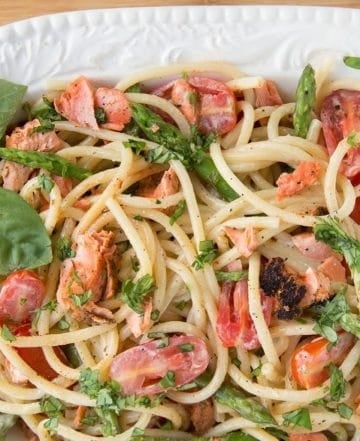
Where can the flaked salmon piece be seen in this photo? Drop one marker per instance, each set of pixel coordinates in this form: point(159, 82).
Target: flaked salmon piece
point(24, 138)
point(351, 163)
point(306, 174)
point(202, 416)
point(116, 106)
point(89, 277)
point(312, 248)
point(244, 240)
point(65, 184)
point(357, 401)
point(168, 185)
point(317, 287)
point(185, 96)
point(319, 436)
point(76, 103)
point(333, 269)
point(267, 95)
point(236, 265)
point(15, 175)
point(139, 324)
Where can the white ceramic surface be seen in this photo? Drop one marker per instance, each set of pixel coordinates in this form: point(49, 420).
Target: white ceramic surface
point(273, 41)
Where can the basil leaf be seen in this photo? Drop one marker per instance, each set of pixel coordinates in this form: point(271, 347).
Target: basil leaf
point(11, 95)
point(337, 383)
point(24, 241)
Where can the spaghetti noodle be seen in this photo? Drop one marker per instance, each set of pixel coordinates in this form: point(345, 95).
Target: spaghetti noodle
point(187, 294)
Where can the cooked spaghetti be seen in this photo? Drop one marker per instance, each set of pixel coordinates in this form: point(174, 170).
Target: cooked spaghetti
point(180, 259)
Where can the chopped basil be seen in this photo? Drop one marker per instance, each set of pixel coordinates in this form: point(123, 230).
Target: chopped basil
point(352, 139)
point(49, 306)
point(134, 293)
point(45, 126)
point(186, 347)
point(337, 383)
point(100, 115)
point(45, 110)
point(257, 371)
point(52, 406)
point(138, 217)
point(333, 314)
point(64, 248)
point(299, 417)
point(6, 334)
point(345, 411)
point(63, 324)
point(168, 380)
point(45, 183)
point(155, 315)
point(81, 299)
point(156, 335)
point(179, 211)
point(181, 305)
point(135, 145)
point(207, 254)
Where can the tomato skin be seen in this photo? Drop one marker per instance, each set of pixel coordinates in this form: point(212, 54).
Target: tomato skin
point(139, 369)
point(217, 105)
point(355, 214)
point(35, 357)
point(340, 114)
point(234, 324)
point(214, 107)
point(310, 360)
point(21, 294)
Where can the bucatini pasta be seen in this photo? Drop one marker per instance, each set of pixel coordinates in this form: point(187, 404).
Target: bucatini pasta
point(179, 258)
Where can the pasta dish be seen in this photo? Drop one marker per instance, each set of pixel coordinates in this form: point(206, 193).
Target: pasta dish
point(180, 258)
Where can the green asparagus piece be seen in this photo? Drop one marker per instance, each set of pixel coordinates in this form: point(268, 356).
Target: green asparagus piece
point(305, 101)
point(353, 62)
point(172, 140)
point(248, 408)
point(49, 161)
point(208, 172)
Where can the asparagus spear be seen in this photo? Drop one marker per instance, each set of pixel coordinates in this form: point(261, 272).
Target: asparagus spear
point(305, 101)
point(248, 408)
point(49, 161)
point(353, 62)
point(172, 140)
